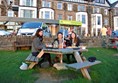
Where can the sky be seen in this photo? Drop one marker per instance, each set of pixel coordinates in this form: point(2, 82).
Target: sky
point(112, 1)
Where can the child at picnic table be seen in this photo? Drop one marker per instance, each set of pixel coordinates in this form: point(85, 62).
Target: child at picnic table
point(38, 45)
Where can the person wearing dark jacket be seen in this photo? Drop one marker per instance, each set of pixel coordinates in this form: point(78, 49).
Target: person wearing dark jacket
point(74, 41)
point(38, 45)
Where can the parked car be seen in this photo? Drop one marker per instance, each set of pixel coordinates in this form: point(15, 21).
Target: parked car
point(3, 32)
point(30, 28)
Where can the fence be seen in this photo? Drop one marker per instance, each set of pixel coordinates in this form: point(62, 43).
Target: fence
point(24, 42)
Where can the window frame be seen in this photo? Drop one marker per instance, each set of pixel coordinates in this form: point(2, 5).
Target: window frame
point(70, 7)
point(98, 20)
point(59, 17)
point(47, 15)
point(46, 4)
point(116, 22)
point(100, 1)
point(59, 4)
point(84, 21)
point(27, 13)
point(70, 17)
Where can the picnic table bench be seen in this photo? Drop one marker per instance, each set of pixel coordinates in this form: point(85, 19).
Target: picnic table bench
point(32, 60)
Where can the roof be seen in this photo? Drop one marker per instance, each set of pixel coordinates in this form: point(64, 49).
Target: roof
point(114, 4)
point(103, 4)
point(108, 2)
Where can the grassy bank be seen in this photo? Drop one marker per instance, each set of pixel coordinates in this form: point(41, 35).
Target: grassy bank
point(106, 72)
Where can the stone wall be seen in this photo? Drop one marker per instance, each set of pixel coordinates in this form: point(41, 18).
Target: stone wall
point(14, 42)
point(7, 42)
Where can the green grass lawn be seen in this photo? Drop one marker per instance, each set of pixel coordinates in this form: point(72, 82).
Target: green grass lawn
point(106, 72)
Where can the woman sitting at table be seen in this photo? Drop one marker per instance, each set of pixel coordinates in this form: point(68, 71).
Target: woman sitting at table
point(37, 46)
point(59, 42)
point(74, 41)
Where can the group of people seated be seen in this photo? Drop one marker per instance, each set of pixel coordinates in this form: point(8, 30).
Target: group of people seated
point(59, 42)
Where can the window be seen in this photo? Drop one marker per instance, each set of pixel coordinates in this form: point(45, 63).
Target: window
point(69, 7)
point(47, 15)
point(59, 5)
point(51, 15)
point(116, 12)
point(96, 10)
point(97, 1)
point(105, 11)
point(41, 14)
point(100, 1)
point(59, 17)
point(105, 21)
point(9, 1)
point(78, 18)
point(83, 19)
point(28, 13)
point(69, 17)
point(46, 4)
point(99, 20)
point(10, 13)
point(29, 2)
point(81, 8)
point(117, 22)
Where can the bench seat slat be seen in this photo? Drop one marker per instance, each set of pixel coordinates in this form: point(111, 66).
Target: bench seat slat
point(82, 65)
point(31, 58)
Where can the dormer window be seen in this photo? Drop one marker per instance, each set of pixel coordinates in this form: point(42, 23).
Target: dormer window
point(100, 1)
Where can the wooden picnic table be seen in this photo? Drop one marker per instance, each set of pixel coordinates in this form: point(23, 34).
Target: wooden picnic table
point(76, 55)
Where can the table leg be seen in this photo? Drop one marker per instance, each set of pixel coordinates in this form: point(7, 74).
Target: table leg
point(61, 58)
point(32, 65)
point(83, 70)
point(40, 54)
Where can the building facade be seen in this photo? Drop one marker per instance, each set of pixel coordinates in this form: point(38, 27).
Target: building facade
point(94, 14)
point(114, 13)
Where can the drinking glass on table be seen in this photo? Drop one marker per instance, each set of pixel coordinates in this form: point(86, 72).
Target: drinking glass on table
point(74, 44)
point(48, 45)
